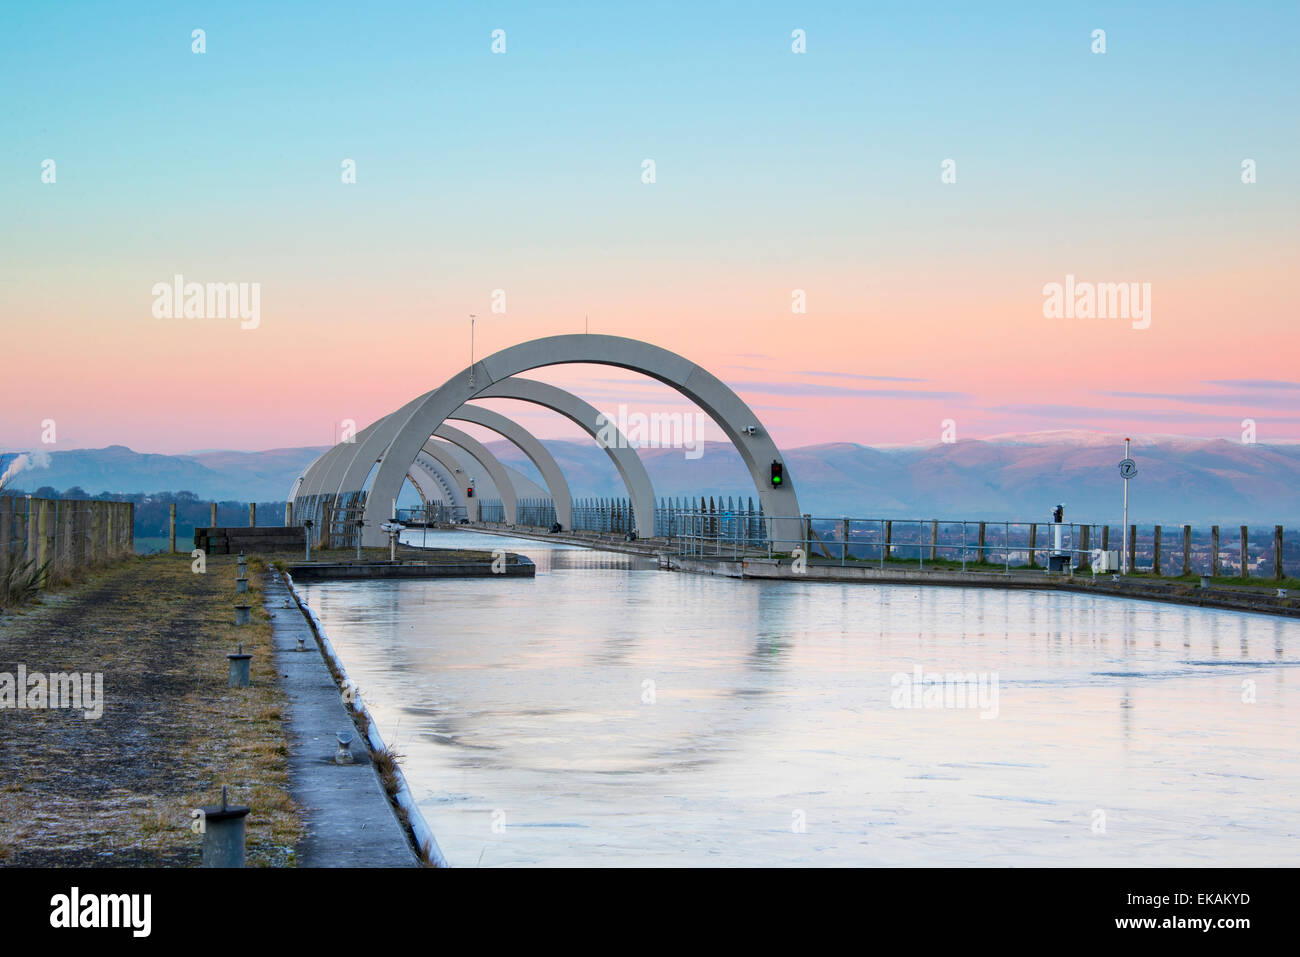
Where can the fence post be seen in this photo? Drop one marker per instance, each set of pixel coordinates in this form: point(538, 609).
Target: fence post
point(63, 544)
point(42, 531)
point(6, 533)
point(1214, 551)
point(844, 547)
point(96, 529)
point(889, 538)
point(30, 526)
point(252, 515)
point(213, 522)
point(1187, 549)
point(288, 514)
point(79, 533)
point(1033, 541)
point(68, 528)
point(52, 526)
point(934, 540)
point(979, 555)
point(1277, 553)
point(81, 526)
point(1245, 552)
point(171, 526)
point(1155, 551)
point(1132, 547)
point(1085, 539)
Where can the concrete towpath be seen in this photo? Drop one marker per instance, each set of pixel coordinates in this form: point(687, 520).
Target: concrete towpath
point(348, 821)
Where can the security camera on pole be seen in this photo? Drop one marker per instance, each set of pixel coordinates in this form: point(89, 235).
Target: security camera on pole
point(1127, 469)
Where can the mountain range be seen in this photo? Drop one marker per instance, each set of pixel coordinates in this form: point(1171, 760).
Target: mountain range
point(1002, 478)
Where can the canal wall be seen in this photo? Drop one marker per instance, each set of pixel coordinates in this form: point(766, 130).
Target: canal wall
point(1264, 600)
point(516, 567)
point(349, 819)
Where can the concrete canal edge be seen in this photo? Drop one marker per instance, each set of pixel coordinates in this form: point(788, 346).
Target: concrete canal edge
point(1258, 600)
point(770, 569)
point(515, 566)
point(350, 819)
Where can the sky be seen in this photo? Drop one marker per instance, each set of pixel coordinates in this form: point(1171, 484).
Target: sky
point(516, 180)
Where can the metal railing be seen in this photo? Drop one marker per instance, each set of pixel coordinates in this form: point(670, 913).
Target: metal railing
point(339, 526)
point(436, 513)
point(880, 541)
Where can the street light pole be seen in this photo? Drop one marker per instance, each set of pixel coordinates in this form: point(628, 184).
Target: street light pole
point(1123, 535)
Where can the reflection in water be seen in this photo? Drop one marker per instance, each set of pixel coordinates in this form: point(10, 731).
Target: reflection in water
point(609, 713)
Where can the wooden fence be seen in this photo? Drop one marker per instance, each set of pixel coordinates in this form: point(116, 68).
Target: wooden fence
point(69, 535)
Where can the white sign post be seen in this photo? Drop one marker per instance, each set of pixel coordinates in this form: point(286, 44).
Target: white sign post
point(1127, 469)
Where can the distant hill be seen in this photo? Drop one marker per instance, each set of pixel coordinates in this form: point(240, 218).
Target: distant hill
point(1004, 478)
point(239, 476)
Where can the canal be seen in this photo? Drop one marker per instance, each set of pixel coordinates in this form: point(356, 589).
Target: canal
point(608, 713)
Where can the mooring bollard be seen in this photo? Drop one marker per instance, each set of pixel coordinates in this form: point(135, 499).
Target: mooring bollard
point(241, 614)
point(223, 833)
point(239, 668)
point(241, 585)
point(243, 564)
point(344, 754)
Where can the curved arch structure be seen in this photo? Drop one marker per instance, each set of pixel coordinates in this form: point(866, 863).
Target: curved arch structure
point(628, 464)
point(442, 478)
point(425, 480)
point(479, 452)
point(435, 478)
point(458, 476)
point(531, 447)
point(584, 415)
point(395, 440)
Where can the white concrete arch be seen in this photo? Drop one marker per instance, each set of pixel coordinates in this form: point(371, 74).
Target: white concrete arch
point(396, 448)
point(531, 447)
point(459, 476)
point(314, 486)
point(485, 458)
point(581, 413)
point(425, 481)
point(443, 485)
point(628, 464)
point(446, 487)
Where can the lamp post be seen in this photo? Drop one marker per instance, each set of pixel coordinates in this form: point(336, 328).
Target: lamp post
point(1127, 469)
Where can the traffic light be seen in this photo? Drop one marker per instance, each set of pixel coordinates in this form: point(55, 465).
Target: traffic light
point(778, 475)
point(469, 491)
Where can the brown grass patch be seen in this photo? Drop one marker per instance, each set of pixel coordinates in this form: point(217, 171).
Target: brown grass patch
point(120, 790)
